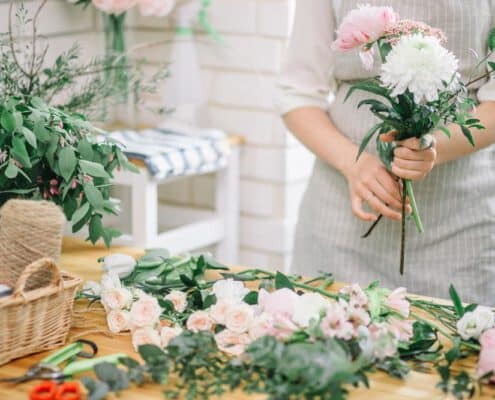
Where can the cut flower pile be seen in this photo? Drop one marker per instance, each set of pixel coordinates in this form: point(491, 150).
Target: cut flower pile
point(177, 316)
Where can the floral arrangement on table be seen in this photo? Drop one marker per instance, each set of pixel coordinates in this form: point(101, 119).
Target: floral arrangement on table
point(419, 85)
point(48, 148)
point(270, 333)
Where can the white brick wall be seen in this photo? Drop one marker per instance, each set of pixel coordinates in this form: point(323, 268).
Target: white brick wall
point(239, 79)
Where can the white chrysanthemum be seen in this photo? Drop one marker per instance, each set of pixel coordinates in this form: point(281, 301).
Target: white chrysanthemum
point(421, 64)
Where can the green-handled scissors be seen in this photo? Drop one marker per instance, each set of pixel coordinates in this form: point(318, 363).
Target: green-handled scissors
point(49, 367)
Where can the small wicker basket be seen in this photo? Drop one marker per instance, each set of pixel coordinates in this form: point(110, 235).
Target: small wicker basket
point(36, 320)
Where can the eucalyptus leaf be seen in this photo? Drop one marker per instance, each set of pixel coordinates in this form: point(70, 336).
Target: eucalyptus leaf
point(67, 163)
point(80, 213)
point(93, 169)
point(11, 171)
point(29, 136)
point(95, 228)
point(19, 151)
point(8, 121)
point(93, 195)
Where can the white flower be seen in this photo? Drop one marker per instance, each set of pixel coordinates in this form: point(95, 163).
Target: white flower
point(145, 335)
point(145, 312)
point(121, 264)
point(239, 317)
point(474, 323)
point(168, 333)
point(92, 287)
point(118, 321)
point(178, 299)
point(229, 289)
point(308, 307)
point(261, 325)
point(218, 311)
point(421, 64)
point(116, 299)
point(199, 321)
point(110, 280)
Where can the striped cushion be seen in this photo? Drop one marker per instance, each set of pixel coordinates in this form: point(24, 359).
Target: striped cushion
point(167, 153)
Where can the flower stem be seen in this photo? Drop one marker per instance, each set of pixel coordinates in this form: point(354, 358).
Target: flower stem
point(403, 231)
point(434, 326)
point(415, 213)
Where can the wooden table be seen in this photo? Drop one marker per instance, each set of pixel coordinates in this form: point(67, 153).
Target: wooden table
point(80, 258)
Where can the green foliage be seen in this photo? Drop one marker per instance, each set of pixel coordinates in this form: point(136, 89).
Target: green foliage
point(70, 83)
point(410, 119)
point(302, 370)
point(49, 154)
point(110, 379)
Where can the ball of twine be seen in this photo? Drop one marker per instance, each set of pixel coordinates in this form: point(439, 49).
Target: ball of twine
point(29, 230)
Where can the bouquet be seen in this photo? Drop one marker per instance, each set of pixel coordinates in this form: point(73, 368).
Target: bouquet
point(419, 89)
point(266, 332)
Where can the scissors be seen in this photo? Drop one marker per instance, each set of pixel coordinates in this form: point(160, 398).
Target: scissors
point(49, 367)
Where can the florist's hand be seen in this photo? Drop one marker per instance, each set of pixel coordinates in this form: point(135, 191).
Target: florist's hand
point(370, 182)
point(414, 158)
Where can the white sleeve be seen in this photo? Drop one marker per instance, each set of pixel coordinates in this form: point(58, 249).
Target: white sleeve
point(306, 79)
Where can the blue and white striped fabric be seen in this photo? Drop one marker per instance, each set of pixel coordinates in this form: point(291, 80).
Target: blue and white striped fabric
point(168, 154)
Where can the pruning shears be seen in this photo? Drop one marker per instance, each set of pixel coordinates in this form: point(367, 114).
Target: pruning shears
point(49, 368)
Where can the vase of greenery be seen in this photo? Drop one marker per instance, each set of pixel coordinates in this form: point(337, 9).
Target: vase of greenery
point(48, 148)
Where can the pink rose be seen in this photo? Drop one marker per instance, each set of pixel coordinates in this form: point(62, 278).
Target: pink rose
point(362, 26)
point(239, 317)
point(178, 299)
point(486, 361)
point(261, 325)
point(283, 327)
point(232, 343)
point(168, 333)
point(156, 8)
point(116, 299)
point(199, 321)
point(118, 321)
point(219, 310)
point(114, 6)
point(397, 301)
point(145, 312)
point(145, 335)
point(279, 302)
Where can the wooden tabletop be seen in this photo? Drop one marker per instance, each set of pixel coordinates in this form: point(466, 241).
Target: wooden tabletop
point(80, 258)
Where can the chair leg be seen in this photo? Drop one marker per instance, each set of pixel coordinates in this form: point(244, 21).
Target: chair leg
point(227, 206)
point(144, 211)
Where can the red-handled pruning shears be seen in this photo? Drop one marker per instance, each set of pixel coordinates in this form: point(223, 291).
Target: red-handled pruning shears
point(50, 390)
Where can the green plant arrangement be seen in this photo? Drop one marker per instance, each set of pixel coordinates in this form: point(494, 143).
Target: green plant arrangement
point(49, 154)
point(48, 148)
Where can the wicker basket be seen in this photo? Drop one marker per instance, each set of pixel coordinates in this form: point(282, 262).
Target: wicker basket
point(36, 320)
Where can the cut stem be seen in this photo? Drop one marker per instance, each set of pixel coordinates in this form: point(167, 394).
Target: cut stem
point(415, 213)
point(403, 229)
